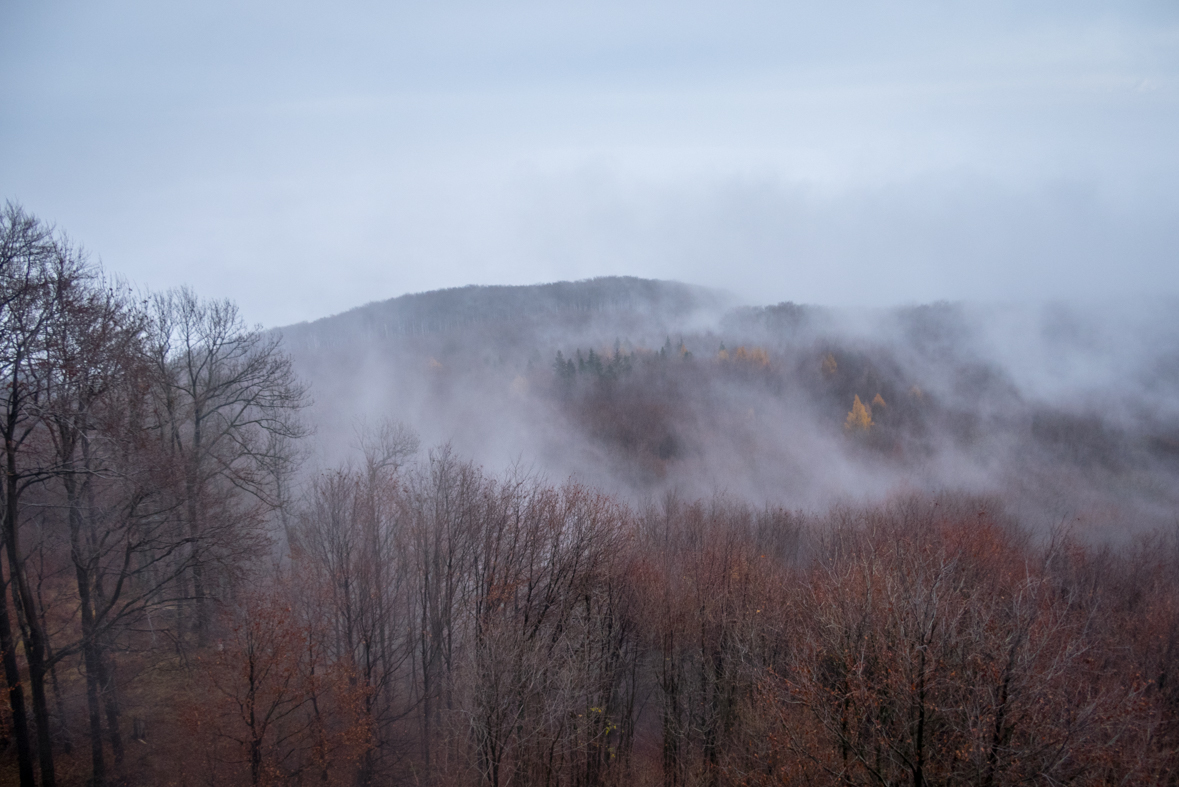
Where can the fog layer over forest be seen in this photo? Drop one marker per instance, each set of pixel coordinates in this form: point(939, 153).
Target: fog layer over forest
point(1069, 411)
point(614, 532)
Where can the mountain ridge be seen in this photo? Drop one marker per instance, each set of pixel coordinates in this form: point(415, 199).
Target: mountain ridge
point(436, 311)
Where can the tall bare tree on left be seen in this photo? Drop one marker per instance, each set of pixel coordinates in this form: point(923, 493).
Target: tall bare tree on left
point(28, 251)
point(108, 512)
point(82, 489)
point(64, 340)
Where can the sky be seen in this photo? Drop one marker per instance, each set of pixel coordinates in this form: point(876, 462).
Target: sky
point(305, 158)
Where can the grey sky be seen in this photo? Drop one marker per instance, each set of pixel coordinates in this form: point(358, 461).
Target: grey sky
point(307, 158)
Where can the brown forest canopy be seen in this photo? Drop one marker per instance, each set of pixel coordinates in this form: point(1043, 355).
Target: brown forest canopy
point(202, 566)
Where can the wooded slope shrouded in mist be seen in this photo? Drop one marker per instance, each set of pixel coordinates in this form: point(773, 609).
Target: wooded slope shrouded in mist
point(615, 532)
point(643, 386)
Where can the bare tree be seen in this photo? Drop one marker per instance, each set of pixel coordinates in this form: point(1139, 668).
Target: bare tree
point(228, 408)
point(442, 506)
point(347, 545)
point(27, 252)
point(117, 497)
point(271, 706)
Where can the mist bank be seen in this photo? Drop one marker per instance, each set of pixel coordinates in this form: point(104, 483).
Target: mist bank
point(640, 387)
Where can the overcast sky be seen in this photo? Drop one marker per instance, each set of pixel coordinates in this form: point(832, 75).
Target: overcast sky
point(305, 158)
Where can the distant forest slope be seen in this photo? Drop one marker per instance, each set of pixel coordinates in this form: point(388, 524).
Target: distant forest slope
point(461, 307)
point(646, 386)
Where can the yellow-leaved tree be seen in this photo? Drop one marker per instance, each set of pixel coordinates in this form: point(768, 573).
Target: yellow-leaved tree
point(752, 355)
point(860, 417)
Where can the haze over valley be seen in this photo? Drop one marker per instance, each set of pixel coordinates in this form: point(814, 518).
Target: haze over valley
point(619, 394)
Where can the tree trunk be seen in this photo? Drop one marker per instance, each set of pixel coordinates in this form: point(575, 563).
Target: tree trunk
point(34, 639)
point(16, 692)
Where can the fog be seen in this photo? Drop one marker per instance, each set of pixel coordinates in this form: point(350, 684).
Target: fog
point(1069, 412)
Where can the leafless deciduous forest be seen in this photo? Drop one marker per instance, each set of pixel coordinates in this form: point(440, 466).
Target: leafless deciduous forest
point(657, 541)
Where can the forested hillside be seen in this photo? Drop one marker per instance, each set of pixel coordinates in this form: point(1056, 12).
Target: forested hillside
point(616, 532)
point(640, 387)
